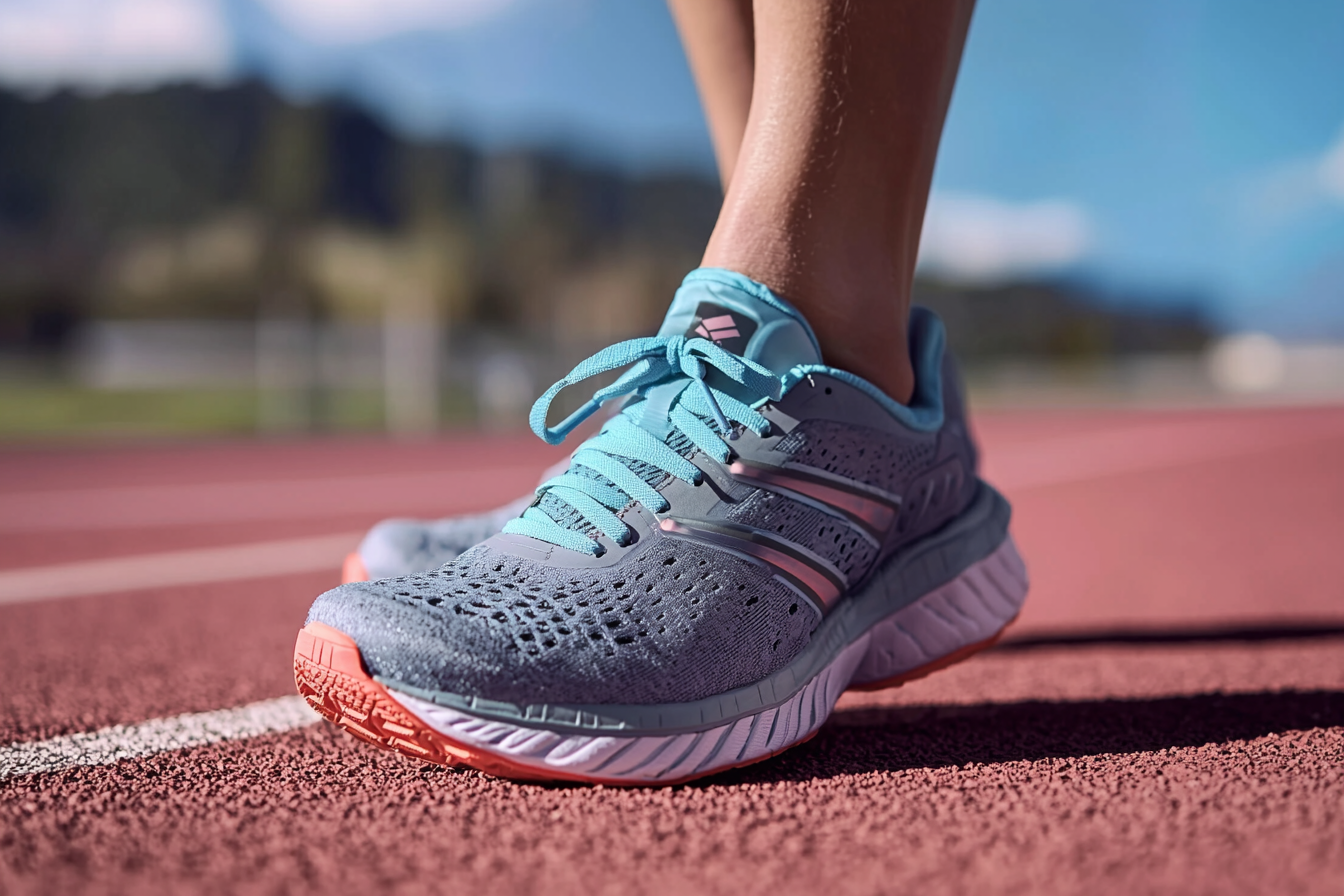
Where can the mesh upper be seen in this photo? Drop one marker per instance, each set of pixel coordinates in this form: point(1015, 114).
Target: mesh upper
point(821, 533)
point(675, 622)
point(858, 452)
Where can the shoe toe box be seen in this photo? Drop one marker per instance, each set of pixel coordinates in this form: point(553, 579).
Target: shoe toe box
point(400, 640)
point(665, 627)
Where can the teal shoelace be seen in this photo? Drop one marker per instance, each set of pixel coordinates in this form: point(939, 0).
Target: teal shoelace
point(656, 361)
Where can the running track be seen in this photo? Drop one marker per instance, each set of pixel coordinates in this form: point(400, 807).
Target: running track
point(1168, 716)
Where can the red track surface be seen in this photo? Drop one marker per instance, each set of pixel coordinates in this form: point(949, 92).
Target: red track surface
point(1204, 765)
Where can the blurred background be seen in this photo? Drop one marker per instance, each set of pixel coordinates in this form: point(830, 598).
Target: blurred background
point(292, 216)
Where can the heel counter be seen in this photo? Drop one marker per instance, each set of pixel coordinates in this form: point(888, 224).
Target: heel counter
point(957, 438)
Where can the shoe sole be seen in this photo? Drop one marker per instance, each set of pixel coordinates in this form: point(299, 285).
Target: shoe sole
point(353, 569)
point(943, 627)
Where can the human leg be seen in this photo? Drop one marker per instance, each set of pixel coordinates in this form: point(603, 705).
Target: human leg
point(719, 41)
point(828, 193)
point(837, 82)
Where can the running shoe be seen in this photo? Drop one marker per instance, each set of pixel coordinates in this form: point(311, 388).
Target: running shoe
point(400, 547)
point(752, 534)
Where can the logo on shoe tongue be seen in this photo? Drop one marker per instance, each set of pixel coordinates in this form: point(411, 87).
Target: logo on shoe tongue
point(729, 330)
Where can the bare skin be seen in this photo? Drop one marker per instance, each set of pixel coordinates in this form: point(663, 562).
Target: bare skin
point(719, 39)
point(825, 201)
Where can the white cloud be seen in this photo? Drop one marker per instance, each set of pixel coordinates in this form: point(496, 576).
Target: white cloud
point(1330, 169)
point(1294, 188)
point(105, 43)
point(355, 21)
point(111, 43)
point(979, 238)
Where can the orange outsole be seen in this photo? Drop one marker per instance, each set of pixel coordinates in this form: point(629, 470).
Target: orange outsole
point(330, 675)
point(353, 569)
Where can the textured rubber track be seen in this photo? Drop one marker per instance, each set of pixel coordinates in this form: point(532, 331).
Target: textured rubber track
point(353, 570)
point(331, 677)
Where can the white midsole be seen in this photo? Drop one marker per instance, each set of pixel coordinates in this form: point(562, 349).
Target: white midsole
point(970, 609)
point(967, 610)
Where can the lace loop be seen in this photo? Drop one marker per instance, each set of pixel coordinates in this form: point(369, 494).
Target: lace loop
point(607, 456)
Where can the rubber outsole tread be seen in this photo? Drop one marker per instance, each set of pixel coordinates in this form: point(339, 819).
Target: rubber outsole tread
point(331, 676)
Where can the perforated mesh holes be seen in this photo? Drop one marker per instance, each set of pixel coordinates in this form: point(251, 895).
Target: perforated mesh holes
point(663, 591)
point(675, 621)
point(857, 452)
point(433, 600)
point(819, 532)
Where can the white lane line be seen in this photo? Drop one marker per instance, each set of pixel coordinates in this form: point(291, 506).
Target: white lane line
point(110, 745)
point(128, 507)
point(170, 568)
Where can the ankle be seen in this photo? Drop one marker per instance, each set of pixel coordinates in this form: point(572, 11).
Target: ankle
point(862, 331)
point(879, 354)
point(892, 373)
point(852, 287)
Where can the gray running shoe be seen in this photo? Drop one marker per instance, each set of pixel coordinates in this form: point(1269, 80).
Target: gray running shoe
point(754, 533)
point(401, 547)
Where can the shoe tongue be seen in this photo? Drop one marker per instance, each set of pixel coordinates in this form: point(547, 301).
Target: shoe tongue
point(743, 317)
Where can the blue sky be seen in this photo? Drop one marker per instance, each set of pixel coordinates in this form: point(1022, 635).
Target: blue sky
point(1184, 146)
